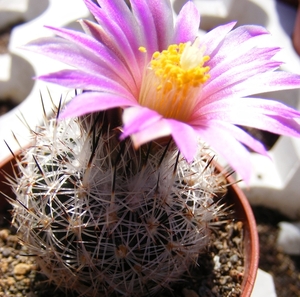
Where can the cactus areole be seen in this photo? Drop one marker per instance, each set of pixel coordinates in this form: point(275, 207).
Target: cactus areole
point(104, 218)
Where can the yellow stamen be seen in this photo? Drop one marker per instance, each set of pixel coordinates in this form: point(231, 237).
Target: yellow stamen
point(142, 49)
point(173, 80)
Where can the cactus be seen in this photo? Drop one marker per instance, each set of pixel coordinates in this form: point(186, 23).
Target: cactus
point(105, 219)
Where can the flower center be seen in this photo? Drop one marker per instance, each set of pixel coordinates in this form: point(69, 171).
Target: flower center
point(173, 79)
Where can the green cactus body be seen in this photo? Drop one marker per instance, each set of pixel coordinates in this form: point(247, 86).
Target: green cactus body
point(105, 219)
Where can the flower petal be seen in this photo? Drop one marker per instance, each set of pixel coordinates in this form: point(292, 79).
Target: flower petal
point(155, 131)
point(241, 136)
point(224, 78)
point(238, 42)
point(133, 60)
point(229, 148)
point(213, 38)
point(260, 83)
point(187, 24)
point(89, 102)
point(258, 56)
point(155, 19)
point(78, 79)
point(67, 52)
point(137, 118)
point(185, 137)
point(107, 56)
point(79, 57)
point(146, 24)
point(143, 125)
point(120, 30)
point(251, 106)
point(116, 17)
point(271, 123)
point(267, 82)
point(163, 20)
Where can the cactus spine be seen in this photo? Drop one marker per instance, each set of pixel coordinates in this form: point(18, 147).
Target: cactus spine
point(105, 219)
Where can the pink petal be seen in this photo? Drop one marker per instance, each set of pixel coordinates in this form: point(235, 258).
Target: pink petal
point(155, 21)
point(274, 124)
point(89, 102)
point(143, 125)
point(146, 25)
point(261, 83)
point(229, 148)
point(76, 56)
point(267, 82)
point(97, 49)
point(155, 131)
point(67, 52)
point(185, 137)
point(187, 24)
point(163, 20)
point(213, 38)
point(238, 42)
point(138, 118)
point(78, 79)
point(241, 136)
point(133, 60)
point(116, 17)
point(121, 29)
point(225, 77)
point(251, 106)
point(88, 43)
point(260, 57)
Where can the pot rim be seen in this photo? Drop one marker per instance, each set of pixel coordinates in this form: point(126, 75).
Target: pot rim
point(244, 211)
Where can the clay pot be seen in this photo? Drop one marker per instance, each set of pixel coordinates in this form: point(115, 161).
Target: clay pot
point(6, 168)
point(243, 212)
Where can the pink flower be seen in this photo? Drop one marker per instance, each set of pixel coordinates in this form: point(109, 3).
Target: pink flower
point(171, 82)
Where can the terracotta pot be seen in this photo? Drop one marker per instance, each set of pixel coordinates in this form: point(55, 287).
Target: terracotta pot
point(243, 212)
point(235, 197)
point(6, 168)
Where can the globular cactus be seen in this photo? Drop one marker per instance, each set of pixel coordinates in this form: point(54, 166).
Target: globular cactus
point(104, 219)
